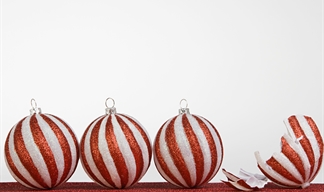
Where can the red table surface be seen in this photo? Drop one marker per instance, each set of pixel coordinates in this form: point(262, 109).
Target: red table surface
point(143, 187)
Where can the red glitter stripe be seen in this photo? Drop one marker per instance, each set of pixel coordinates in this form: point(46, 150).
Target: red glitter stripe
point(160, 159)
point(175, 153)
point(319, 142)
point(64, 146)
point(10, 161)
point(221, 145)
point(212, 148)
point(305, 143)
point(97, 157)
point(83, 155)
point(44, 149)
point(136, 149)
point(276, 166)
point(144, 135)
point(116, 154)
point(25, 158)
point(293, 157)
point(195, 149)
point(316, 132)
point(75, 140)
point(271, 178)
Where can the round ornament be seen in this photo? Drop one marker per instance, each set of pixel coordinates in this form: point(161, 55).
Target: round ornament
point(188, 150)
point(41, 150)
point(115, 149)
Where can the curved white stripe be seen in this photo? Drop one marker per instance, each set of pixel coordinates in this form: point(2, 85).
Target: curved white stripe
point(185, 148)
point(88, 154)
point(167, 157)
point(273, 173)
point(312, 139)
point(140, 141)
point(17, 163)
point(148, 135)
point(290, 167)
point(106, 156)
point(53, 144)
point(34, 152)
point(218, 144)
point(125, 150)
point(204, 146)
point(73, 148)
point(20, 181)
point(164, 175)
point(289, 129)
point(301, 153)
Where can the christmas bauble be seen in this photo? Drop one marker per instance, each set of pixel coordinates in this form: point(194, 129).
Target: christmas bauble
point(301, 154)
point(41, 151)
point(188, 150)
point(115, 150)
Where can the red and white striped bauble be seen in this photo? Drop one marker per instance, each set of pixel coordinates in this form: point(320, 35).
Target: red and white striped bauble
point(115, 150)
point(41, 151)
point(188, 150)
point(301, 154)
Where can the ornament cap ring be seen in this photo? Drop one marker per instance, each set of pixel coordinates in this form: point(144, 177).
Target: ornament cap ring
point(34, 108)
point(112, 109)
point(184, 109)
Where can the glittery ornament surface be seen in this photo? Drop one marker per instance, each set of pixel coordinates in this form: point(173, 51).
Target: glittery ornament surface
point(41, 151)
point(115, 151)
point(301, 154)
point(188, 150)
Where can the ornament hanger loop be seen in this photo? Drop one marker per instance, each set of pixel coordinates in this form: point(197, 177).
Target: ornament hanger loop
point(184, 109)
point(113, 102)
point(34, 107)
point(112, 109)
point(181, 101)
point(33, 104)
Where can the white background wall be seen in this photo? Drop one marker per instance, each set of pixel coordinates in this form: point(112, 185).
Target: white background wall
point(243, 65)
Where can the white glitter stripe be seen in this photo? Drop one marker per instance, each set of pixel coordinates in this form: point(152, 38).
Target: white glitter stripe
point(72, 146)
point(34, 152)
point(217, 143)
point(17, 163)
point(20, 181)
point(312, 139)
point(289, 129)
point(106, 156)
point(290, 167)
point(129, 156)
point(53, 142)
point(185, 149)
point(88, 155)
point(301, 153)
point(167, 157)
point(202, 142)
point(141, 142)
point(165, 176)
point(148, 136)
point(273, 173)
point(125, 150)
